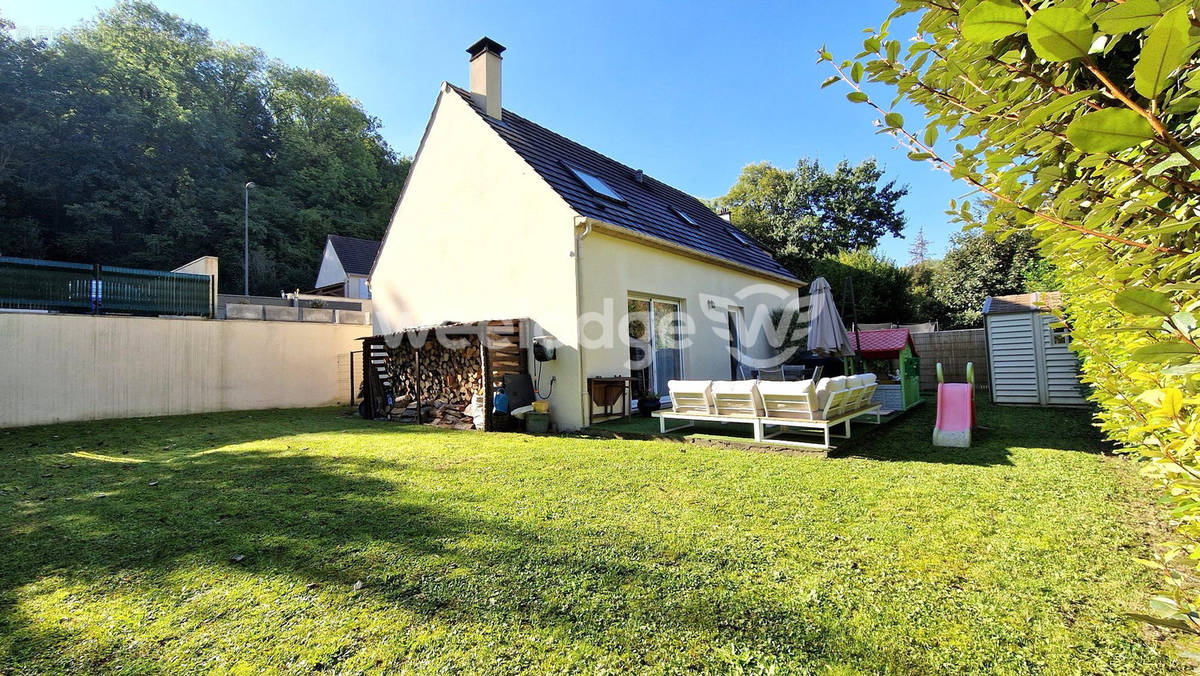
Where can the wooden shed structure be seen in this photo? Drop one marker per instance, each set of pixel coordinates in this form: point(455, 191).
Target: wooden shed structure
point(1029, 358)
point(434, 374)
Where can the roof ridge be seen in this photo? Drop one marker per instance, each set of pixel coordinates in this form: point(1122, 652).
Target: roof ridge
point(361, 239)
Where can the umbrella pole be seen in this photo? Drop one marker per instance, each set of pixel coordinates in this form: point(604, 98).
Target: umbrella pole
point(854, 314)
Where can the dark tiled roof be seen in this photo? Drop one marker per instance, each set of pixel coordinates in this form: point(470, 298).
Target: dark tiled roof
point(648, 204)
point(357, 255)
point(1023, 302)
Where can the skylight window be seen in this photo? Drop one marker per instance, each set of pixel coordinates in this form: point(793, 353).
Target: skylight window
point(596, 185)
point(685, 218)
point(737, 234)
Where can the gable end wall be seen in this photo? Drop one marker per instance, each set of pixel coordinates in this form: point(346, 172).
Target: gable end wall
point(476, 235)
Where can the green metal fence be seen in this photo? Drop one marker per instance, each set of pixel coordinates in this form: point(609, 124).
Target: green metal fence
point(31, 284)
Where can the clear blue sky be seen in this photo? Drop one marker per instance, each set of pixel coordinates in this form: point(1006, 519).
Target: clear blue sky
point(690, 91)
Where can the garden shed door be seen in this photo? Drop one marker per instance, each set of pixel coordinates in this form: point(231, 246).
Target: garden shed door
point(1013, 352)
point(1031, 362)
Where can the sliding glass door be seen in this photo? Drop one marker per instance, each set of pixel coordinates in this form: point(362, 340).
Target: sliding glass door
point(734, 318)
point(655, 344)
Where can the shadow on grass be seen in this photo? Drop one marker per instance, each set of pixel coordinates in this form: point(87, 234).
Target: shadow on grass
point(332, 520)
point(1001, 429)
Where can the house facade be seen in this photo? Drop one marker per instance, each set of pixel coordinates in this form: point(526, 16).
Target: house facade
point(503, 218)
point(345, 265)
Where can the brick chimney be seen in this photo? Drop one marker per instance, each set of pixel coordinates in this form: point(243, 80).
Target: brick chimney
point(485, 74)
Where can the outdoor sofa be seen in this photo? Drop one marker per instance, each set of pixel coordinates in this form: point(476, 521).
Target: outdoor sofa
point(779, 405)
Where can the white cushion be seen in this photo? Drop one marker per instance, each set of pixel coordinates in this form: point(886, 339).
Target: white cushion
point(832, 384)
point(827, 387)
point(795, 387)
point(744, 388)
point(869, 378)
point(688, 385)
point(853, 381)
point(775, 406)
point(734, 386)
point(697, 389)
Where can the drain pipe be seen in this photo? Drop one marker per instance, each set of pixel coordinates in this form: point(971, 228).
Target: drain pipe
point(584, 395)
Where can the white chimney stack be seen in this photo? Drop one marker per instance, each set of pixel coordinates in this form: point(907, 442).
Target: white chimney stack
point(485, 74)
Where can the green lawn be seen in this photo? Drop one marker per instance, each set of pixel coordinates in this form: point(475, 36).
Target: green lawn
point(305, 540)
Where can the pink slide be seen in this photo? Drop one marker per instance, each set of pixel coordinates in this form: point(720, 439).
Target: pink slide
point(955, 411)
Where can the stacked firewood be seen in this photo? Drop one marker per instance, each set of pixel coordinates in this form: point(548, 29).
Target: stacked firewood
point(449, 378)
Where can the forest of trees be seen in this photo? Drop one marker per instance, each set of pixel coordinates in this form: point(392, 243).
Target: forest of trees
point(127, 141)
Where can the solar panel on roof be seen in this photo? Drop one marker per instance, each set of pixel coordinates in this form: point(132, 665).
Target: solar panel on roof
point(595, 184)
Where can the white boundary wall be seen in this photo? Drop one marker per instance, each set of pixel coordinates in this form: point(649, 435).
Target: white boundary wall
point(57, 368)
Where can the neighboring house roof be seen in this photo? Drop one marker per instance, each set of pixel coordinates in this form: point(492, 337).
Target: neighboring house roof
point(882, 344)
point(1040, 301)
point(357, 255)
point(649, 205)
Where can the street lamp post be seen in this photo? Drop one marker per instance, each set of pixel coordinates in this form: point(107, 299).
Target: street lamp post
point(246, 262)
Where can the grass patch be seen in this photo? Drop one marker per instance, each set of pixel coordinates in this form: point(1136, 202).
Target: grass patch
point(312, 540)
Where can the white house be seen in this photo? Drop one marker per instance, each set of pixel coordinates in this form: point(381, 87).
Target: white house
point(502, 218)
point(1028, 354)
point(345, 265)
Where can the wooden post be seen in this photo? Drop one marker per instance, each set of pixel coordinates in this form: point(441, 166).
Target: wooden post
point(369, 390)
point(417, 380)
point(485, 358)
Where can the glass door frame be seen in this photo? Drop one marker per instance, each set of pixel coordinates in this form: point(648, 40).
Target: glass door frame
point(736, 321)
point(651, 326)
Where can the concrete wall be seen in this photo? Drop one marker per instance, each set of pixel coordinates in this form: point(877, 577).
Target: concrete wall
point(79, 367)
point(478, 235)
point(229, 305)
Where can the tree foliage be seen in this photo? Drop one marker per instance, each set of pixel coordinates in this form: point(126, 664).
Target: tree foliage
point(127, 141)
point(809, 213)
point(979, 264)
point(881, 289)
point(1079, 120)
point(919, 251)
point(923, 302)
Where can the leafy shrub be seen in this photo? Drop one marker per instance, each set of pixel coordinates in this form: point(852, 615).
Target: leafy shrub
point(1079, 122)
point(882, 289)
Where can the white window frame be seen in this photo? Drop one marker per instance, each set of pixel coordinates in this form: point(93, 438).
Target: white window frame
point(651, 299)
point(590, 181)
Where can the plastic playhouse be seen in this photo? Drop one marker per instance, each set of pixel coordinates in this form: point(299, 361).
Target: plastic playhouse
point(955, 411)
point(891, 355)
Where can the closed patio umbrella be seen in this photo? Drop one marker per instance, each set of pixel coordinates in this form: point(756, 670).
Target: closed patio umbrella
point(826, 334)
